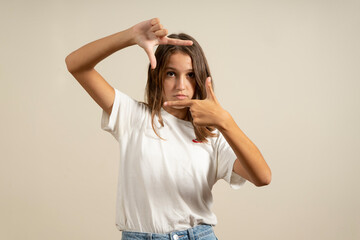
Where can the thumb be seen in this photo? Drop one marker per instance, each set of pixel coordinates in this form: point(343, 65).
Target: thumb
point(209, 91)
point(150, 52)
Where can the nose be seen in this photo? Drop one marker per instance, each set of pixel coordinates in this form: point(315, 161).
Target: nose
point(180, 83)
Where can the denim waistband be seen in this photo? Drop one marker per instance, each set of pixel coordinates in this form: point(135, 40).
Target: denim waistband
point(191, 234)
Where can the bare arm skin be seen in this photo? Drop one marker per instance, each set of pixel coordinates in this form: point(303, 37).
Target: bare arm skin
point(250, 163)
point(81, 62)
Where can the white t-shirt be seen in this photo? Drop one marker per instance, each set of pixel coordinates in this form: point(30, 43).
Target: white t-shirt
point(164, 185)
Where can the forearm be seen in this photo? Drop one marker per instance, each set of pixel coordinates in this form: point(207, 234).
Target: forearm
point(89, 55)
point(248, 154)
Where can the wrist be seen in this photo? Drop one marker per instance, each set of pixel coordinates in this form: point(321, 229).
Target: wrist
point(120, 40)
point(131, 32)
point(225, 121)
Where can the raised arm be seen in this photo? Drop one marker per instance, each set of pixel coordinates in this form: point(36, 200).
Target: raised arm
point(81, 62)
point(250, 164)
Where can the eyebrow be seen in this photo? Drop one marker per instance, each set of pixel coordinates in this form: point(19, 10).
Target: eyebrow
point(171, 68)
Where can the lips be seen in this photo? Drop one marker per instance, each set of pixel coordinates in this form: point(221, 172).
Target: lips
point(180, 96)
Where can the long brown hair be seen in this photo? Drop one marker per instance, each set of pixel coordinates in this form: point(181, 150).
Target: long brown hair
point(154, 87)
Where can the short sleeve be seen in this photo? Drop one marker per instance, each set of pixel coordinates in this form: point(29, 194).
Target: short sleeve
point(226, 157)
point(125, 113)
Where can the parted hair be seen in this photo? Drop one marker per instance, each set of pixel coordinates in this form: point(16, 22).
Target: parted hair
point(154, 94)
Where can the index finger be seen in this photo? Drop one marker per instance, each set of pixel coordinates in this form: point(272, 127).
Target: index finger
point(173, 41)
point(184, 103)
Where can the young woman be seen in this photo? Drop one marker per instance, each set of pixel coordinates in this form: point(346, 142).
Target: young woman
point(177, 144)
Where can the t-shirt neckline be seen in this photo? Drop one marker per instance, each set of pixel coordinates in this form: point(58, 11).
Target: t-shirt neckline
point(172, 117)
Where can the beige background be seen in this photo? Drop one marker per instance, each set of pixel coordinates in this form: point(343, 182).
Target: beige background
point(287, 71)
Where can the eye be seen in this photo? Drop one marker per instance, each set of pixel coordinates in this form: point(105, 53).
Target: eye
point(191, 75)
point(170, 74)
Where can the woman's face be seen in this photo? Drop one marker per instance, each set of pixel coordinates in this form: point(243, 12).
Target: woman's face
point(179, 80)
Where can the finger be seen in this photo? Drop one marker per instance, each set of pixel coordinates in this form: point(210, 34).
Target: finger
point(209, 90)
point(185, 103)
point(156, 27)
point(154, 21)
point(173, 41)
point(150, 53)
point(161, 33)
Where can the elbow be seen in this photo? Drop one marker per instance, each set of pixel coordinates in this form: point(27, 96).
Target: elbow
point(69, 66)
point(264, 180)
point(263, 183)
point(72, 64)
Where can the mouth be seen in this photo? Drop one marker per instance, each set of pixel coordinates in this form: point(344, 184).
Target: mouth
point(180, 96)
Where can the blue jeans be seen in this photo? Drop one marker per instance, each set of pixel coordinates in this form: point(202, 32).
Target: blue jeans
point(199, 232)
